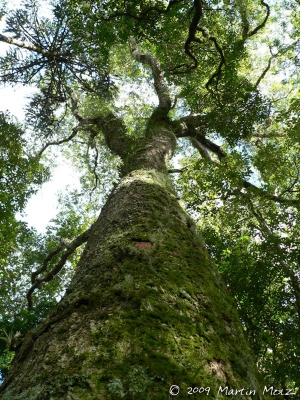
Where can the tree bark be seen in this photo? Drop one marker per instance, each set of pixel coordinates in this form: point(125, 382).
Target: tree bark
point(146, 308)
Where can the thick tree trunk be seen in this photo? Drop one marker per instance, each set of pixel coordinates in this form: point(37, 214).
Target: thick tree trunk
point(145, 310)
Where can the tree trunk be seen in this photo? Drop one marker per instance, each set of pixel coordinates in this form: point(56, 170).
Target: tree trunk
point(145, 310)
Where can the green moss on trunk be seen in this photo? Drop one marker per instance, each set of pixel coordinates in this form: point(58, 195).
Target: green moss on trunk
point(145, 310)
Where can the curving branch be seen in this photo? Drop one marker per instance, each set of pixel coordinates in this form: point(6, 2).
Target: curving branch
point(115, 134)
point(75, 130)
point(112, 126)
point(258, 215)
point(207, 143)
point(199, 121)
point(264, 72)
point(192, 38)
point(189, 126)
point(217, 73)
point(262, 193)
point(260, 26)
point(71, 247)
point(47, 260)
point(75, 111)
point(160, 83)
point(192, 32)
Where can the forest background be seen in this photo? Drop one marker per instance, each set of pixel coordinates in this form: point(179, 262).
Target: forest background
point(237, 74)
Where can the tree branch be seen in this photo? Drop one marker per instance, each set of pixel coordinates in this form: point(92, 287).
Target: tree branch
point(193, 28)
point(75, 130)
point(160, 83)
point(254, 31)
point(95, 169)
point(217, 73)
point(295, 181)
point(25, 45)
point(181, 126)
point(192, 32)
point(262, 193)
point(264, 72)
point(189, 127)
point(50, 55)
point(264, 226)
point(75, 111)
point(201, 149)
point(273, 197)
point(71, 247)
point(115, 134)
point(112, 127)
point(176, 170)
point(47, 260)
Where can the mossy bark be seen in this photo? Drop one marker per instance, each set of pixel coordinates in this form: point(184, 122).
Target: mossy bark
point(145, 310)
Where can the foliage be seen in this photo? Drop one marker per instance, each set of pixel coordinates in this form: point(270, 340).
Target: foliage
point(20, 176)
point(255, 244)
point(233, 66)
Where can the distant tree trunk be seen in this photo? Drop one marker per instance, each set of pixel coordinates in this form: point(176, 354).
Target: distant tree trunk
point(146, 308)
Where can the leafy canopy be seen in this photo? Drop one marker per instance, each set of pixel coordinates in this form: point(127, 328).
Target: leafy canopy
point(232, 73)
